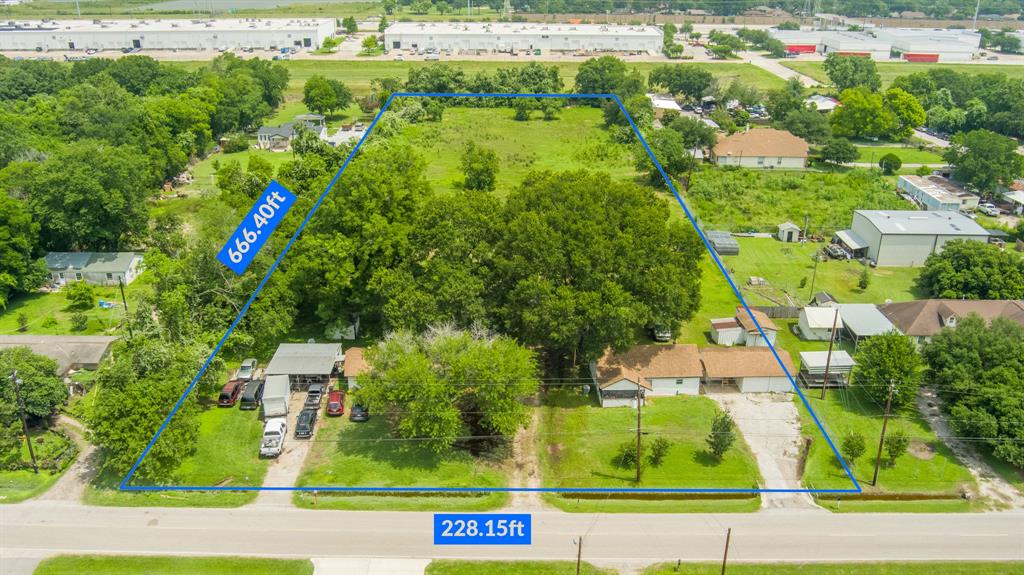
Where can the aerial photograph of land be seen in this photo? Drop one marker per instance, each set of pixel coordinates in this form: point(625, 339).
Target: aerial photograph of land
point(414, 287)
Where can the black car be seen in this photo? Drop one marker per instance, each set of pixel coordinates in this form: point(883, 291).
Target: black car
point(314, 396)
point(305, 424)
point(359, 413)
point(252, 395)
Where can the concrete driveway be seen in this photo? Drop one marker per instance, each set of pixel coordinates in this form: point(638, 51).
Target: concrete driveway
point(284, 471)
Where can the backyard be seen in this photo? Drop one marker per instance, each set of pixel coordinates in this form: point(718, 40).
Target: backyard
point(50, 313)
point(580, 445)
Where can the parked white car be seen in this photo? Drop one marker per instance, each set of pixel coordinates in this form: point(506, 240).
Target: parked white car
point(988, 209)
point(274, 432)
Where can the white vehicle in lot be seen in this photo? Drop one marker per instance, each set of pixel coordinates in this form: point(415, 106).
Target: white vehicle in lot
point(988, 209)
point(274, 431)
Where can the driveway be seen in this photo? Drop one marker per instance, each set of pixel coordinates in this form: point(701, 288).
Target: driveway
point(770, 424)
point(284, 471)
point(776, 68)
point(71, 485)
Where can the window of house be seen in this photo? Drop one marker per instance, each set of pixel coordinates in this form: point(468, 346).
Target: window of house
point(680, 382)
point(78, 276)
point(760, 160)
point(779, 161)
point(110, 276)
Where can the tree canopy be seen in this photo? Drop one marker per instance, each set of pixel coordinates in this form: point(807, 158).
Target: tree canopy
point(888, 359)
point(984, 159)
point(848, 72)
point(972, 270)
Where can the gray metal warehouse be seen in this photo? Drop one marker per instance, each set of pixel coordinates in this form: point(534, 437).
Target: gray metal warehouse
point(503, 37)
point(906, 238)
point(164, 34)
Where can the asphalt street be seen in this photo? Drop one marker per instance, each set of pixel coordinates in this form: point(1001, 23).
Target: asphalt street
point(41, 528)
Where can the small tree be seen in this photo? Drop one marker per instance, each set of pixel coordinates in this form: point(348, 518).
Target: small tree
point(79, 321)
point(659, 449)
point(369, 43)
point(383, 24)
point(350, 26)
point(853, 447)
point(865, 279)
point(22, 322)
point(80, 295)
point(480, 166)
point(626, 457)
point(923, 171)
point(838, 151)
point(896, 443)
point(722, 436)
point(890, 163)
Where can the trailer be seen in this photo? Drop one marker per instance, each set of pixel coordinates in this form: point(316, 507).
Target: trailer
point(276, 392)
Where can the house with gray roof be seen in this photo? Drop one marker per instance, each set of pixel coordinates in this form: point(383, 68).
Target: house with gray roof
point(69, 351)
point(96, 268)
point(905, 237)
point(280, 138)
point(306, 363)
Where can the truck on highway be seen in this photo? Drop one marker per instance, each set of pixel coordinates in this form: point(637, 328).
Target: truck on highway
point(276, 392)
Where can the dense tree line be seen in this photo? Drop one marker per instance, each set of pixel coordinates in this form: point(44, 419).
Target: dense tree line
point(972, 270)
point(41, 390)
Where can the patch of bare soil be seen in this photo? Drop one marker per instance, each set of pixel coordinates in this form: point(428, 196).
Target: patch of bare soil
point(921, 450)
point(525, 466)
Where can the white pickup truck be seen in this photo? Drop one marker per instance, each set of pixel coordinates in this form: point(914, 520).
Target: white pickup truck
point(274, 432)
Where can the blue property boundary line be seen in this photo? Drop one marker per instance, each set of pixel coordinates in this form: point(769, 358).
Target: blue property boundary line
point(668, 181)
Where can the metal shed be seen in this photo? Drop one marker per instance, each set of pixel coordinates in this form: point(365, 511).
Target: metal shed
point(306, 363)
point(723, 243)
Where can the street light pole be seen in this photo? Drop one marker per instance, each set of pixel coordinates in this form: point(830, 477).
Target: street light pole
point(24, 420)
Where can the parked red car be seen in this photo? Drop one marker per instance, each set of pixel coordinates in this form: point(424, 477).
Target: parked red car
point(229, 395)
point(336, 403)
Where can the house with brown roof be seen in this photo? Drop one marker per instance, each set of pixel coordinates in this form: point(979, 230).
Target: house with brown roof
point(647, 370)
point(922, 319)
point(741, 329)
point(761, 148)
point(751, 369)
point(354, 366)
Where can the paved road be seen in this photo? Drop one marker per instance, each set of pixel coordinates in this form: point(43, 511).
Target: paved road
point(40, 528)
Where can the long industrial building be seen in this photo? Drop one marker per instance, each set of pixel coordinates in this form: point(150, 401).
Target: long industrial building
point(165, 34)
point(504, 37)
point(910, 44)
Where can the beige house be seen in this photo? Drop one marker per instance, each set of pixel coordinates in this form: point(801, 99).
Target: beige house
point(766, 148)
point(750, 369)
point(649, 369)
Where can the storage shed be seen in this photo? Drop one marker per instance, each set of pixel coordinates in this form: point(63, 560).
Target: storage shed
point(907, 238)
point(788, 232)
point(305, 363)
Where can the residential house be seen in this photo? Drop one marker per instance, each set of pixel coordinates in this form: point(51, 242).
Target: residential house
point(937, 193)
point(663, 104)
point(816, 323)
point(788, 232)
point(647, 370)
point(71, 352)
point(761, 148)
point(355, 365)
point(306, 363)
point(96, 268)
point(751, 369)
point(814, 364)
point(921, 319)
point(741, 329)
point(905, 238)
point(863, 320)
point(279, 138)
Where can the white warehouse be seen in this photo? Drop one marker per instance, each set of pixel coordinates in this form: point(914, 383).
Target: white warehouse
point(906, 238)
point(503, 37)
point(165, 34)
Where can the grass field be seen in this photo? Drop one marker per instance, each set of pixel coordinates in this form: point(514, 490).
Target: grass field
point(49, 314)
point(456, 567)
point(890, 70)
point(895, 568)
point(927, 467)
point(19, 485)
point(362, 455)
point(227, 454)
point(908, 155)
point(579, 444)
point(157, 565)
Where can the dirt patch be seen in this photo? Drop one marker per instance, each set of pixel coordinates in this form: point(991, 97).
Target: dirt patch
point(225, 481)
point(921, 450)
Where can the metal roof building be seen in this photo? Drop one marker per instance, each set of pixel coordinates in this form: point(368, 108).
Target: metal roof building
point(907, 238)
point(165, 34)
point(69, 351)
point(508, 36)
point(723, 242)
point(862, 320)
point(305, 363)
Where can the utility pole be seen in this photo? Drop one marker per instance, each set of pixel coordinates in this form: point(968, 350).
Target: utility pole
point(124, 300)
point(78, 9)
point(24, 421)
point(725, 556)
point(639, 403)
point(828, 358)
point(976, 8)
point(881, 439)
point(814, 275)
point(579, 554)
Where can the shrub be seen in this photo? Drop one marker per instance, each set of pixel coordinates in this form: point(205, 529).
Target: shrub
point(865, 279)
point(79, 321)
point(722, 436)
point(890, 163)
point(80, 295)
point(896, 443)
point(235, 143)
point(853, 447)
point(22, 322)
point(659, 449)
point(626, 457)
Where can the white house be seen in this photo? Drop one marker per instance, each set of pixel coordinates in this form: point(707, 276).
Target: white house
point(816, 322)
point(766, 148)
point(647, 370)
point(663, 104)
point(96, 268)
point(279, 138)
point(741, 329)
point(821, 103)
point(355, 365)
point(751, 369)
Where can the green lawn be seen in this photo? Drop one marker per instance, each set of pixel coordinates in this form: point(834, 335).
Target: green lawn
point(928, 466)
point(363, 455)
point(575, 141)
point(460, 567)
point(908, 155)
point(19, 485)
point(741, 200)
point(204, 173)
point(890, 70)
point(894, 568)
point(227, 454)
point(49, 314)
point(157, 565)
point(579, 444)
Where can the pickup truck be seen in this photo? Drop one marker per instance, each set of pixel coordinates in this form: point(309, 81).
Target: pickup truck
point(274, 432)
